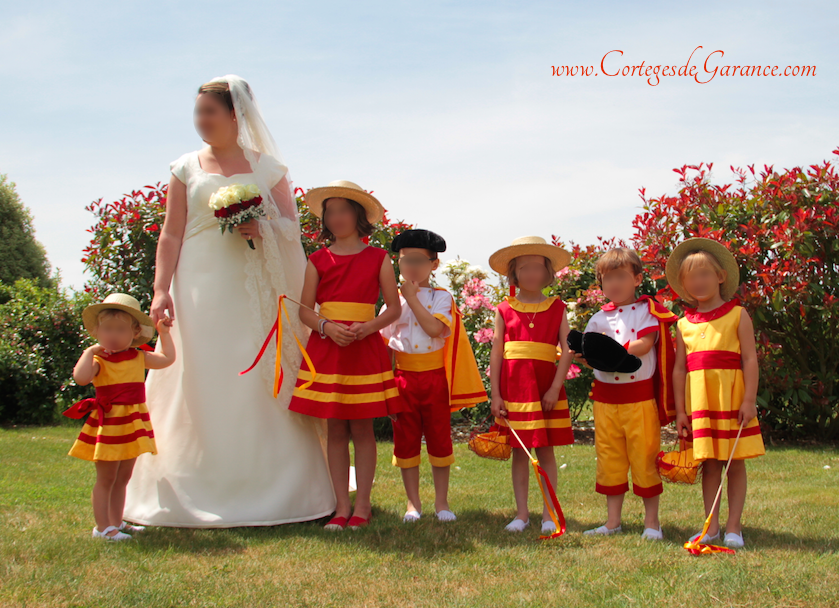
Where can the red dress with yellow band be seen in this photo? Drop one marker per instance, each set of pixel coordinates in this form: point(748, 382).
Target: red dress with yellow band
point(118, 427)
point(531, 334)
point(354, 381)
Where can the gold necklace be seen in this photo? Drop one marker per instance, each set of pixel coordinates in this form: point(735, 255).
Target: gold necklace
point(533, 316)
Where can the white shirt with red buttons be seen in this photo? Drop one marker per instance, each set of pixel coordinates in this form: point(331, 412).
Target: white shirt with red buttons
point(406, 334)
point(626, 324)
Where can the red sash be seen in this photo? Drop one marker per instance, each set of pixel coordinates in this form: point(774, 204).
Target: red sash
point(713, 359)
point(125, 393)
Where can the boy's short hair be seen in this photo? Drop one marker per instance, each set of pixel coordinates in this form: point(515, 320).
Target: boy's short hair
point(512, 279)
point(618, 258)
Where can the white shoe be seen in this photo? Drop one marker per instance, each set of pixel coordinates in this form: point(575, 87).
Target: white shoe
point(446, 515)
point(131, 528)
point(603, 530)
point(734, 541)
point(548, 527)
point(517, 525)
point(652, 534)
point(411, 516)
point(705, 539)
point(116, 537)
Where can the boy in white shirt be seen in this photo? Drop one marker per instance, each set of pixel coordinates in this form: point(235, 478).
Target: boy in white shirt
point(428, 341)
point(629, 408)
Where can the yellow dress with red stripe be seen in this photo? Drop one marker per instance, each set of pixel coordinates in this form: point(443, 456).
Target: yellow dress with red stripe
point(118, 427)
point(715, 388)
point(528, 370)
point(354, 381)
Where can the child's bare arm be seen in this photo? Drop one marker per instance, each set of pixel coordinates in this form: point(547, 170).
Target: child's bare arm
point(496, 360)
point(683, 426)
point(566, 357)
point(643, 345)
point(86, 367)
point(748, 356)
point(166, 356)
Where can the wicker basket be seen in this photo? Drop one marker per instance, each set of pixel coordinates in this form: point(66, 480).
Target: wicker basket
point(679, 466)
point(493, 444)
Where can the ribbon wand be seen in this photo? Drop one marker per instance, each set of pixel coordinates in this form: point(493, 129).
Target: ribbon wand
point(551, 501)
point(278, 330)
point(695, 547)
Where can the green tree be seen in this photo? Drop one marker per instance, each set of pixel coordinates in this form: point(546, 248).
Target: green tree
point(21, 256)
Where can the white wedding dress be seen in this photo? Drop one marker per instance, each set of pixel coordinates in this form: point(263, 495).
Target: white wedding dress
point(229, 454)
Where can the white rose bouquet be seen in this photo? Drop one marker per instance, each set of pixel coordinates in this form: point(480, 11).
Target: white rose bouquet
point(236, 204)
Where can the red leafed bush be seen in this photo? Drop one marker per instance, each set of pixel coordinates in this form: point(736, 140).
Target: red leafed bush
point(783, 229)
point(121, 253)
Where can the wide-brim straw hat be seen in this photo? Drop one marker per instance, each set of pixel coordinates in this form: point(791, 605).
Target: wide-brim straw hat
point(125, 303)
point(529, 245)
point(732, 271)
point(342, 188)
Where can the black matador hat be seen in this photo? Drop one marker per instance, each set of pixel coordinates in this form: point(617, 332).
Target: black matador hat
point(420, 239)
point(602, 352)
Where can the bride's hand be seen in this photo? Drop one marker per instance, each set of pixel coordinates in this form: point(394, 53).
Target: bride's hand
point(161, 302)
point(249, 230)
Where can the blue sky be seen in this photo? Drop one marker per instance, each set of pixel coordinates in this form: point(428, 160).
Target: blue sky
point(447, 110)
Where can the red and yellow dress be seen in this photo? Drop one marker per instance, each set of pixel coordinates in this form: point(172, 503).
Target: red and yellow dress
point(353, 381)
point(118, 427)
point(531, 333)
point(714, 389)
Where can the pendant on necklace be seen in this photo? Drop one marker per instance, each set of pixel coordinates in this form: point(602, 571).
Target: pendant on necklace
point(531, 325)
point(702, 335)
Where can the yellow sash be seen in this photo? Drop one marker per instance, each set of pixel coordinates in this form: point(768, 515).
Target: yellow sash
point(421, 362)
point(348, 311)
point(530, 350)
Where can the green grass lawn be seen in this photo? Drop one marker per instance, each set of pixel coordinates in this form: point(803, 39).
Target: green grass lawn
point(47, 557)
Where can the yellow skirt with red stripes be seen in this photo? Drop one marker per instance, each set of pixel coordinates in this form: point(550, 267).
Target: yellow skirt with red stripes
point(125, 433)
point(713, 398)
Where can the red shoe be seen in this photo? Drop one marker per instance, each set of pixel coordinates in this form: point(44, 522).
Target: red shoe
point(335, 524)
point(358, 522)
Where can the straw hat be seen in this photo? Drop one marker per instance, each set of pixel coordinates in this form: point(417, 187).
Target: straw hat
point(125, 303)
point(732, 271)
point(529, 245)
point(342, 188)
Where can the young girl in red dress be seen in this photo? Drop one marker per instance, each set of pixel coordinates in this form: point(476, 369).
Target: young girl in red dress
point(352, 381)
point(528, 392)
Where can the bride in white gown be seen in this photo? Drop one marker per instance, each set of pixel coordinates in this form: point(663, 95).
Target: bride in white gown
point(229, 453)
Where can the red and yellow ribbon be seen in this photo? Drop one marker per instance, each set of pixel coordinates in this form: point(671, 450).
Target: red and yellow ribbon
point(548, 494)
point(278, 329)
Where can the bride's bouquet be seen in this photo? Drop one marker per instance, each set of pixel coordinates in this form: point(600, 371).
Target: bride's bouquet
point(236, 204)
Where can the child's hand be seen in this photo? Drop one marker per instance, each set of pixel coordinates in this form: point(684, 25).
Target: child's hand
point(163, 325)
point(683, 426)
point(339, 333)
point(409, 289)
point(747, 413)
point(97, 349)
point(580, 359)
point(549, 399)
point(360, 330)
point(497, 407)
